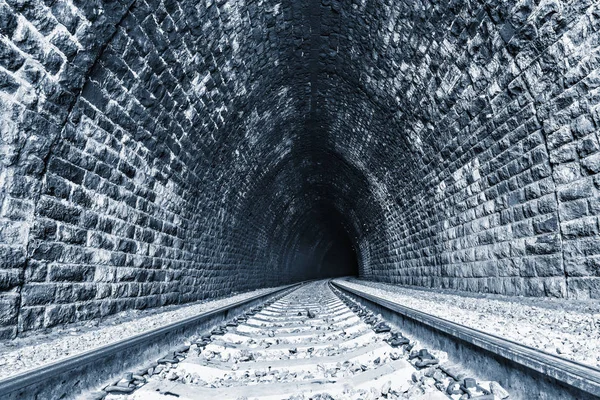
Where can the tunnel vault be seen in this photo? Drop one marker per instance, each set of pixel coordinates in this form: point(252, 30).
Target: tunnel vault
point(165, 151)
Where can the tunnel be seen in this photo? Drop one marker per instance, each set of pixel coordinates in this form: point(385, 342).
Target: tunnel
point(164, 152)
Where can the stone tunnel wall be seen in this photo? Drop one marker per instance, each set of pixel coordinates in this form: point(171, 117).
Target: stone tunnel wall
point(161, 151)
point(131, 132)
point(477, 123)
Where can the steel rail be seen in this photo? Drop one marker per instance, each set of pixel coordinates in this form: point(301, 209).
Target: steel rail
point(514, 358)
point(70, 371)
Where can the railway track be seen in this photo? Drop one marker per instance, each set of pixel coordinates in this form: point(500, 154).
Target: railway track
point(526, 372)
point(320, 340)
point(75, 376)
point(310, 344)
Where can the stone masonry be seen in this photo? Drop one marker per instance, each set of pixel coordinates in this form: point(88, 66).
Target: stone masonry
point(159, 152)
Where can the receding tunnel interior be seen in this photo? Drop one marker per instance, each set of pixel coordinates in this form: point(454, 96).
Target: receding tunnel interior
point(340, 258)
point(160, 152)
point(321, 245)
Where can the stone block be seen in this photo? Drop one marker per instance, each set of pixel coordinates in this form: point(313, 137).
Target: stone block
point(93, 93)
point(587, 146)
point(9, 307)
point(70, 273)
point(66, 170)
point(582, 126)
point(573, 210)
point(587, 226)
point(31, 318)
point(8, 20)
point(37, 294)
point(577, 190)
point(567, 173)
point(36, 271)
point(10, 58)
point(534, 287)
point(549, 266)
point(545, 224)
point(8, 84)
point(58, 314)
point(50, 208)
point(56, 187)
point(584, 288)
point(581, 266)
point(592, 163)
point(556, 287)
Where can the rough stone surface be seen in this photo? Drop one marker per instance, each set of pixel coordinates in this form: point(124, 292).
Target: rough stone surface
point(158, 152)
point(480, 138)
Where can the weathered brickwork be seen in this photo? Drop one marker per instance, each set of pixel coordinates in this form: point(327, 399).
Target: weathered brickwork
point(133, 133)
point(479, 122)
point(165, 151)
point(46, 49)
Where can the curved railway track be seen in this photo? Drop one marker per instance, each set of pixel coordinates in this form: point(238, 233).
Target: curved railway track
point(320, 340)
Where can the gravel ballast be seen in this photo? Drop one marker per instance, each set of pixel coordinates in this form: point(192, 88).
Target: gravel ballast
point(22, 354)
point(563, 327)
point(308, 344)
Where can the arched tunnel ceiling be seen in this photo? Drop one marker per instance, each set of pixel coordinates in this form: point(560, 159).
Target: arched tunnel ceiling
point(197, 147)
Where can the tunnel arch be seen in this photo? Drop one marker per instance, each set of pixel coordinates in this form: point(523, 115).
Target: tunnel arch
point(153, 149)
point(293, 188)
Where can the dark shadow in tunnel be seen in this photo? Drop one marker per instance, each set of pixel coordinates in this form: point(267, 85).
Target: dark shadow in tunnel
point(340, 259)
point(311, 210)
point(323, 247)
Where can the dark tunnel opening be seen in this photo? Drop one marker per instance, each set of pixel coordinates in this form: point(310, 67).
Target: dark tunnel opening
point(321, 245)
point(340, 259)
point(312, 212)
point(339, 256)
